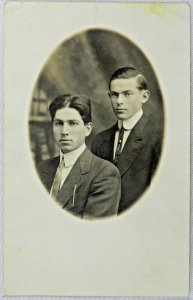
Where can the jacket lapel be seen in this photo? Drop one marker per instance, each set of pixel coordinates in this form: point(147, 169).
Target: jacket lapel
point(133, 146)
point(49, 170)
point(107, 144)
point(75, 179)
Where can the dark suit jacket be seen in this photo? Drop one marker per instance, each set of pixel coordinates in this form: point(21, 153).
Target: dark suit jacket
point(138, 160)
point(93, 185)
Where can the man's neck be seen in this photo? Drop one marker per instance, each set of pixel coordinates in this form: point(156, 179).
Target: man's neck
point(71, 157)
point(128, 124)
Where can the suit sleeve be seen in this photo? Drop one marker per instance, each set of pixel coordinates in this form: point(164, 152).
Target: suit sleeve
point(105, 193)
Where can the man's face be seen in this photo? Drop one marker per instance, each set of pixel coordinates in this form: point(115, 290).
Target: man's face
point(69, 129)
point(126, 98)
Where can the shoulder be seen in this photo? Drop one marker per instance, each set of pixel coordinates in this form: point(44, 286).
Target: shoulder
point(103, 166)
point(96, 166)
point(47, 164)
point(106, 133)
point(153, 133)
point(101, 137)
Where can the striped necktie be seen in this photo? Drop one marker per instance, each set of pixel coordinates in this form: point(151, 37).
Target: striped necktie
point(57, 179)
point(119, 145)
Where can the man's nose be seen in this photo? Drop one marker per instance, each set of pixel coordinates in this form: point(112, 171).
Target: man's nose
point(65, 129)
point(120, 98)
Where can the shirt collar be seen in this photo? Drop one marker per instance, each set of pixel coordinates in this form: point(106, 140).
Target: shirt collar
point(130, 123)
point(71, 157)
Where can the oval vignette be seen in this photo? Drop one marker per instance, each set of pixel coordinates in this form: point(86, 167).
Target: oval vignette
point(83, 64)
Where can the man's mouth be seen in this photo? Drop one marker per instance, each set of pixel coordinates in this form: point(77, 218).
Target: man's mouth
point(65, 140)
point(120, 110)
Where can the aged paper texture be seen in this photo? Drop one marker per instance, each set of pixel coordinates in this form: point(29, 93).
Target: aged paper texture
point(145, 250)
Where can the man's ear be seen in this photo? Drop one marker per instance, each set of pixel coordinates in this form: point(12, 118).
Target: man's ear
point(146, 95)
point(89, 127)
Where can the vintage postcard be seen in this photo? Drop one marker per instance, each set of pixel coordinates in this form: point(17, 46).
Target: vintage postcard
point(96, 149)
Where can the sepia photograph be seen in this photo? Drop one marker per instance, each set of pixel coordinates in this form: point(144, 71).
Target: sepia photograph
point(97, 141)
point(108, 91)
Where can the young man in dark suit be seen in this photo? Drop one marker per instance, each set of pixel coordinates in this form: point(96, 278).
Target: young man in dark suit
point(80, 182)
point(134, 143)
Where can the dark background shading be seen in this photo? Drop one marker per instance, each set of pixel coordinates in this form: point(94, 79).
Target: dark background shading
point(84, 64)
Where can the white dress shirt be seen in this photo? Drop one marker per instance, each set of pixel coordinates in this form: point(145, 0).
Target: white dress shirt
point(128, 126)
point(69, 160)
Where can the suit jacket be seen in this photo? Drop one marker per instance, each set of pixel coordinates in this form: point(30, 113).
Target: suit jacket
point(91, 189)
point(138, 160)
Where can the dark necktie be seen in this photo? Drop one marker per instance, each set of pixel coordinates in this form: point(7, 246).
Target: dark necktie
point(119, 145)
point(57, 180)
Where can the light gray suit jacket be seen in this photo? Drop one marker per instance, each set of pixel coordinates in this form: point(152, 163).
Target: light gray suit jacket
point(91, 189)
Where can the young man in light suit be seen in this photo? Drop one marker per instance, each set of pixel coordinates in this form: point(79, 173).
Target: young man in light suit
point(80, 182)
point(134, 143)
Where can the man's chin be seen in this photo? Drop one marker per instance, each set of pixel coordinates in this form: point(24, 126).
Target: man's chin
point(121, 118)
point(65, 150)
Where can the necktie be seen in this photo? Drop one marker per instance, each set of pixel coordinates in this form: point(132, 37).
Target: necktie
point(119, 145)
point(57, 180)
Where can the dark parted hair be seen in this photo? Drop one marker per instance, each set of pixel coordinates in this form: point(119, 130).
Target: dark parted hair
point(81, 103)
point(130, 72)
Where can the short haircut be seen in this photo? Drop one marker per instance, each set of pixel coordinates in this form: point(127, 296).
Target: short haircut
point(81, 103)
point(130, 72)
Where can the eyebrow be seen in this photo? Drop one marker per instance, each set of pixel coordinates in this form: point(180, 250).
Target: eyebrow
point(122, 91)
point(75, 120)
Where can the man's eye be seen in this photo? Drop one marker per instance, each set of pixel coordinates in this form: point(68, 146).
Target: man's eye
point(113, 94)
point(126, 94)
point(58, 124)
point(72, 123)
